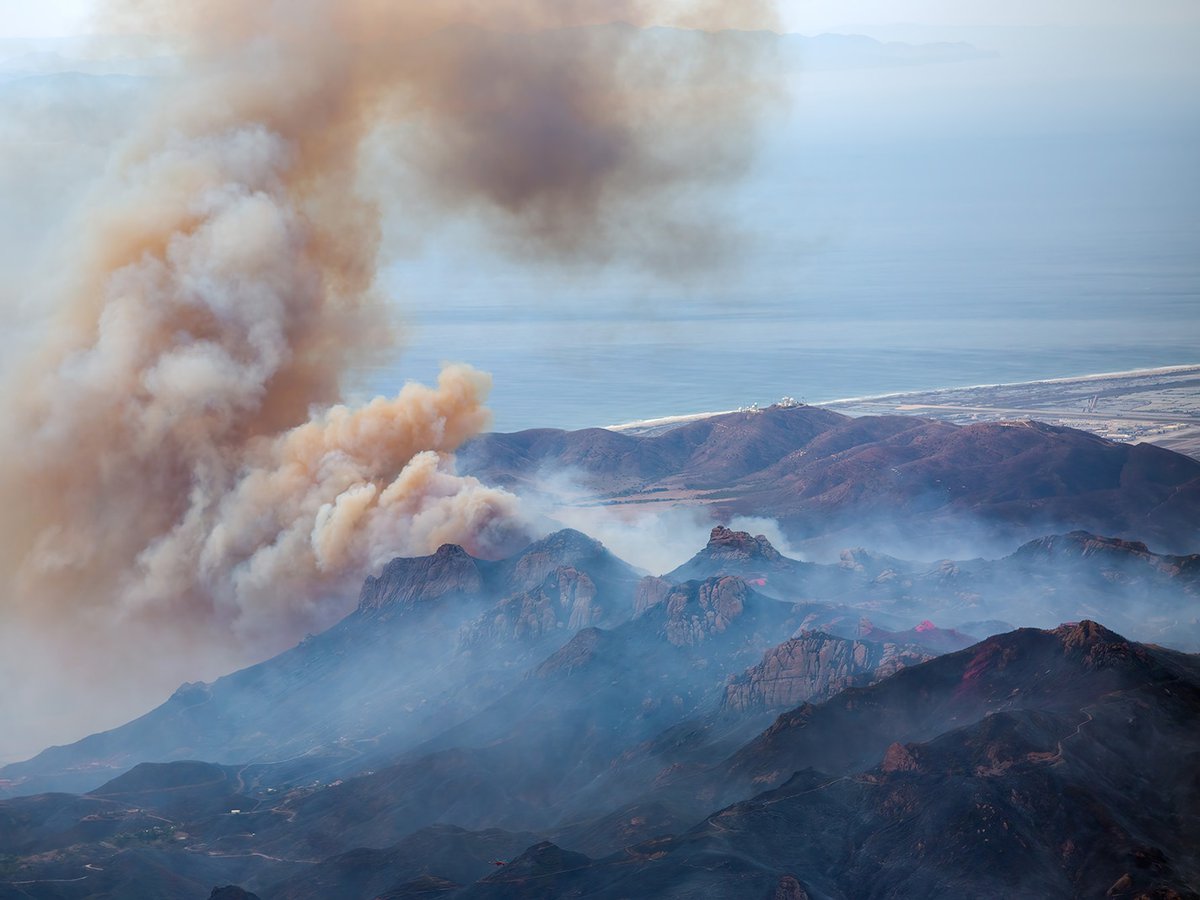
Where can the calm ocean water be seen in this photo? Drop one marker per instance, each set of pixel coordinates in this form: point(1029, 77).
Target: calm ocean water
point(581, 373)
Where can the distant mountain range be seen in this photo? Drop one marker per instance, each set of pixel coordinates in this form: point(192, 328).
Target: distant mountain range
point(833, 480)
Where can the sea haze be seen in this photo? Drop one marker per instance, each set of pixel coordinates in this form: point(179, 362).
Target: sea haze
point(1024, 212)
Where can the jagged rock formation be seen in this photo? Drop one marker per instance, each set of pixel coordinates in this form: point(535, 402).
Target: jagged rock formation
point(565, 548)
point(1119, 560)
point(813, 667)
point(724, 544)
point(403, 583)
point(754, 559)
point(699, 609)
point(566, 600)
point(651, 591)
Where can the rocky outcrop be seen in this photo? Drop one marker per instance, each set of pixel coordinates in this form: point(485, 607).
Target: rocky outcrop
point(724, 543)
point(650, 592)
point(231, 892)
point(1119, 559)
point(451, 571)
point(566, 599)
point(814, 667)
point(739, 553)
point(789, 888)
point(699, 609)
point(565, 548)
point(899, 758)
point(1099, 648)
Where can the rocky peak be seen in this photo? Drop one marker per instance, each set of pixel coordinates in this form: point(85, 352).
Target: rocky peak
point(751, 557)
point(565, 548)
point(1096, 645)
point(1081, 544)
point(899, 758)
point(1086, 633)
point(789, 888)
point(406, 582)
point(724, 543)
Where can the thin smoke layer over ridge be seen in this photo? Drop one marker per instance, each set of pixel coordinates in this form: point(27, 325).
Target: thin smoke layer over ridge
point(175, 455)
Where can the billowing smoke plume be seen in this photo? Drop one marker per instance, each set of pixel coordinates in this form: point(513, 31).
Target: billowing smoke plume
point(174, 455)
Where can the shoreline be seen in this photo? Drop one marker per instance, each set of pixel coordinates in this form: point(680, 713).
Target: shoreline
point(683, 418)
point(1069, 379)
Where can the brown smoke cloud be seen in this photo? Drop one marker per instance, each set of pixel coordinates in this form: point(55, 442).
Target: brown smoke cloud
point(175, 463)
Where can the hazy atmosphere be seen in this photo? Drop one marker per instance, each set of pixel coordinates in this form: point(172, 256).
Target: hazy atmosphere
point(609, 448)
point(902, 220)
point(952, 196)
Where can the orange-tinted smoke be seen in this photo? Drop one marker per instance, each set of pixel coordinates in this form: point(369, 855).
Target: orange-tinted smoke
point(173, 456)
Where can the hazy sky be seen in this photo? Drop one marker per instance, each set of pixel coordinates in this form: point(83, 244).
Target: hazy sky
point(1005, 180)
point(809, 15)
point(21, 18)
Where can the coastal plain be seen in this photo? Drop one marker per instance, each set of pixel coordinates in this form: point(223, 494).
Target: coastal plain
point(1156, 406)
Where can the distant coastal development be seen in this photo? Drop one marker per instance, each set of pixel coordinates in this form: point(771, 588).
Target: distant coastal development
point(1159, 406)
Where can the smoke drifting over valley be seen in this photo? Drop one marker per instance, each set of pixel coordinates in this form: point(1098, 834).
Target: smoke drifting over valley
point(179, 481)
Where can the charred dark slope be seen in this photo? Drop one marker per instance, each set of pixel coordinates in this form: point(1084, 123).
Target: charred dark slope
point(1058, 671)
point(824, 474)
point(184, 790)
point(295, 701)
point(62, 847)
point(811, 667)
point(131, 873)
point(440, 853)
point(390, 674)
point(44, 822)
point(1092, 793)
